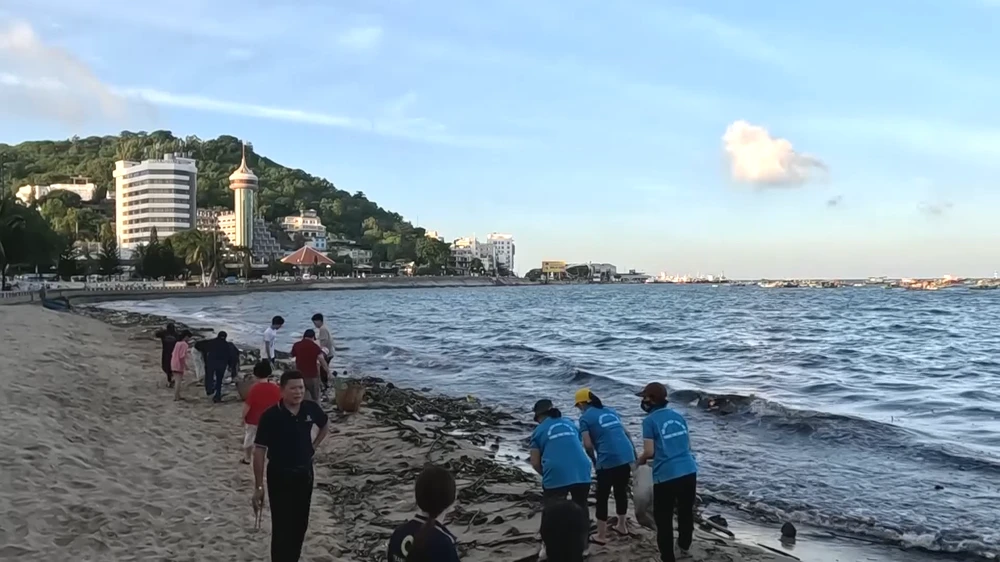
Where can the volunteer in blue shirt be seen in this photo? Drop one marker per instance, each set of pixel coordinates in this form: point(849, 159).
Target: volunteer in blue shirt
point(675, 472)
point(424, 538)
point(610, 447)
point(557, 454)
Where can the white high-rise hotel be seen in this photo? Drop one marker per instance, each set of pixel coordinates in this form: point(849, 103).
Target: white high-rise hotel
point(157, 193)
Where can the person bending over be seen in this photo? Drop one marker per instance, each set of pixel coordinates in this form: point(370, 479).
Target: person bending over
point(610, 447)
point(219, 355)
point(564, 526)
point(284, 437)
point(557, 454)
point(675, 473)
point(262, 395)
point(424, 538)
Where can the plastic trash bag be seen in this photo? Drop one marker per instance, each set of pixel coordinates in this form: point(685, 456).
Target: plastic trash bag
point(642, 496)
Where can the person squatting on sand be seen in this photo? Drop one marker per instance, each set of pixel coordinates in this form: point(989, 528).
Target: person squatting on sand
point(610, 447)
point(178, 362)
point(262, 395)
point(675, 473)
point(270, 335)
point(557, 454)
point(564, 528)
point(168, 337)
point(424, 538)
point(308, 358)
point(325, 341)
point(284, 436)
point(219, 354)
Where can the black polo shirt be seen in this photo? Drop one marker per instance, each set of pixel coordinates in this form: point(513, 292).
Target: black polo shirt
point(287, 436)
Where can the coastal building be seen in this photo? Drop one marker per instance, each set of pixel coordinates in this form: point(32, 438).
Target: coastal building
point(464, 252)
point(434, 234)
point(244, 184)
point(502, 250)
point(307, 256)
point(157, 193)
point(308, 225)
point(83, 187)
point(343, 247)
point(224, 222)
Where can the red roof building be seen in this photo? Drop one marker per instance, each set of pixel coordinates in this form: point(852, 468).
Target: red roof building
point(306, 256)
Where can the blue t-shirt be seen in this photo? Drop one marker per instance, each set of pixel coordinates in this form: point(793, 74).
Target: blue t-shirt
point(564, 460)
point(669, 433)
point(611, 442)
point(440, 544)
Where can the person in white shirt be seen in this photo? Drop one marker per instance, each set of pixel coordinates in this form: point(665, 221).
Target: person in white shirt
point(270, 335)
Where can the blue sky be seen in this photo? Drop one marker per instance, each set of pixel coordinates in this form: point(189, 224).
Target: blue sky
point(865, 136)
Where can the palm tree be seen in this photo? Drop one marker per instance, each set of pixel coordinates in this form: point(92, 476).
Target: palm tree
point(10, 220)
point(245, 257)
point(205, 253)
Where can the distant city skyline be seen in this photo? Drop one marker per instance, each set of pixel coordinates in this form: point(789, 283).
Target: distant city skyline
point(826, 140)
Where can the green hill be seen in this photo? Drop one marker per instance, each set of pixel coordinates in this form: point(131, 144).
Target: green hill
point(284, 191)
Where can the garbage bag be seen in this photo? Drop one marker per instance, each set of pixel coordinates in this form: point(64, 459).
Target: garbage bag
point(642, 496)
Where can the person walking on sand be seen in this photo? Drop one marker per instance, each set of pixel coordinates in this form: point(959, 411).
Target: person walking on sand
point(557, 454)
point(675, 473)
point(424, 538)
point(610, 447)
point(219, 354)
point(308, 357)
point(325, 341)
point(262, 395)
point(178, 362)
point(284, 439)
point(564, 526)
point(270, 336)
point(168, 338)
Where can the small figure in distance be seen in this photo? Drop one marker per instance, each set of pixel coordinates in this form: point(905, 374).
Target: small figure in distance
point(168, 338)
point(270, 335)
point(309, 361)
point(564, 528)
point(424, 538)
point(178, 361)
point(262, 395)
point(325, 341)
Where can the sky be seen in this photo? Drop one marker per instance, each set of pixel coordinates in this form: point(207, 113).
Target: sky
point(808, 139)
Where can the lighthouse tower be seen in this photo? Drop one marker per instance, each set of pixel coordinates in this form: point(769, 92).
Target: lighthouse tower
point(243, 182)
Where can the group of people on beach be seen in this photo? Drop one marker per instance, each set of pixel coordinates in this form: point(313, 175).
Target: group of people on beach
point(284, 425)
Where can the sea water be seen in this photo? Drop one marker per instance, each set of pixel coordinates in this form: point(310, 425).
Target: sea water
point(862, 411)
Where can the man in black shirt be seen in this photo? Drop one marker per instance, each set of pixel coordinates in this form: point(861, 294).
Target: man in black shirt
point(168, 337)
point(219, 354)
point(284, 436)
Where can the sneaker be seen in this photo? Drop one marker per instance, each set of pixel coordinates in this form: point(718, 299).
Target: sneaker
point(681, 554)
point(542, 555)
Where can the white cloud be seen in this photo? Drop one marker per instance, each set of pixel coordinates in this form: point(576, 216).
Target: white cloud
point(363, 38)
point(935, 208)
point(757, 158)
point(37, 79)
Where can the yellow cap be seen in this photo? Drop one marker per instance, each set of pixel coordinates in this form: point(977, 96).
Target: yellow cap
point(582, 396)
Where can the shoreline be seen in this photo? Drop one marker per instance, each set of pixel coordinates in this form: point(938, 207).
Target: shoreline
point(501, 437)
point(112, 469)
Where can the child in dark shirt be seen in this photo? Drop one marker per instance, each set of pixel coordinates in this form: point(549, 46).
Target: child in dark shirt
point(424, 538)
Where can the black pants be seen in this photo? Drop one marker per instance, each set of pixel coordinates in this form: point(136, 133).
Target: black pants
point(618, 479)
point(679, 493)
point(214, 376)
point(165, 365)
point(578, 493)
point(290, 495)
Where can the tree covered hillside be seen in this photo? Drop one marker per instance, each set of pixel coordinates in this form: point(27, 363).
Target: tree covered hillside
point(284, 191)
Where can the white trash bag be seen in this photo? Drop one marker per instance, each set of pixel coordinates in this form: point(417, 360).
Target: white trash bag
point(642, 496)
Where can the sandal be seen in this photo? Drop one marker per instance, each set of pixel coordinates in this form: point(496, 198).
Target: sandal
point(594, 540)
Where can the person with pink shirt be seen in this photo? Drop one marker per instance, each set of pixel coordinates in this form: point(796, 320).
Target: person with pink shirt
point(178, 361)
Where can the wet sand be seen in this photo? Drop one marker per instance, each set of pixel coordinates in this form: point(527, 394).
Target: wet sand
point(98, 463)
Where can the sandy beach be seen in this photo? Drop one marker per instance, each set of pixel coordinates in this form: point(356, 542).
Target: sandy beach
point(97, 463)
